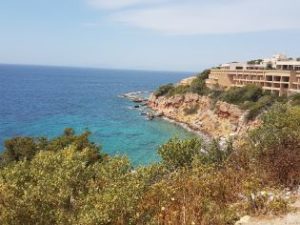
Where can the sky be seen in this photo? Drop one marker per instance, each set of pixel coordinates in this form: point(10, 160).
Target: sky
point(175, 35)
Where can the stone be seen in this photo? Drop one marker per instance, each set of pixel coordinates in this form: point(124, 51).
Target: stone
point(243, 221)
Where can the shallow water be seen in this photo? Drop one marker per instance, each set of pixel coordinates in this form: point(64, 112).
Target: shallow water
point(42, 101)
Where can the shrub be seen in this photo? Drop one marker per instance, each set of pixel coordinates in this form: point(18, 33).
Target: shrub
point(262, 202)
point(198, 85)
point(295, 99)
point(191, 110)
point(238, 95)
point(61, 188)
point(178, 90)
point(217, 153)
point(178, 153)
point(200, 195)
point(20, 148)
point(276, 145)
point(163, 90)
point(256, 108)
point(204, 74)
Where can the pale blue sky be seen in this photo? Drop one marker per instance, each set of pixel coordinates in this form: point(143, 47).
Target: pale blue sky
point(186, 35)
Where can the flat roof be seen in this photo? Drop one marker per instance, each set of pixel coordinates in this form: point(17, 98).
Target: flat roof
point(288, 63)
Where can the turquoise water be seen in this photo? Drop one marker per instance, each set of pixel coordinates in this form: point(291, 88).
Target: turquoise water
point(42, 101)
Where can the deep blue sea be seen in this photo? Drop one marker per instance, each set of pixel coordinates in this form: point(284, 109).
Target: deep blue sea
point(42, 101)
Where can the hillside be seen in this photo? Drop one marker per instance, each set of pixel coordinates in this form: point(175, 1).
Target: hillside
point(201, 113)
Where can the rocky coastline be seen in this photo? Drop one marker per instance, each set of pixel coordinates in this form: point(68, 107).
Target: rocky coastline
point(200, 114)
point(195, 113)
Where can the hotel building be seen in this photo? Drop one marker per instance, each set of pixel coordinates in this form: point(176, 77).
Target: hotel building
point(279, 75)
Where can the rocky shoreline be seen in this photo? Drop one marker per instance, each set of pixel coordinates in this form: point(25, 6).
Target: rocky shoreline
point(197, 114)
point(202, 115)
point(188, 128)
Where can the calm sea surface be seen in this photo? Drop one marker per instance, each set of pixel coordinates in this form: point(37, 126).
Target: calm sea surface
point(42, 101)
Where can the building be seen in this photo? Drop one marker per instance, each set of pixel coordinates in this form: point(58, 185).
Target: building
point(279, 75)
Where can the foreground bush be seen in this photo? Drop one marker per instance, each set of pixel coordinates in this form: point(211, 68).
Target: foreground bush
point(276, 144)
point(21, 148)
point(62, 188)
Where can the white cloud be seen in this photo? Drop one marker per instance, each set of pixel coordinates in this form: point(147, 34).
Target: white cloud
point(198, 17)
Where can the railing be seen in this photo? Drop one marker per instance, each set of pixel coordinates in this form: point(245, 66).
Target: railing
point(271, 88)
point(248, 80)
point(278, 73)
point(237, 71)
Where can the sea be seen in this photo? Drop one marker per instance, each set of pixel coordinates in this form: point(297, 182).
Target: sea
point(42, 101)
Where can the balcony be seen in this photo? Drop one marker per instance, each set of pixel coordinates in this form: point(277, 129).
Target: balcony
point(248, 80)
point(278, 73)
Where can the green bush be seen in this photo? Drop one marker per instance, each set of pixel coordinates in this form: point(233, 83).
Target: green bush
point(275, 144)
point(204, 74)
point(61, 188)
point(256, 108)
point(197, 86)
point(20, 148)
point(178, 90)
point(295, 99)
point(238, 95)
point(163, 90)
point(217, 154)
point(178, 153)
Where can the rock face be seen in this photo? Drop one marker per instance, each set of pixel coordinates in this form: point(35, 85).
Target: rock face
point(200, 113)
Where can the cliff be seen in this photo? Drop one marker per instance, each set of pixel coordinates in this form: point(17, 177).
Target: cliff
point(200, 113)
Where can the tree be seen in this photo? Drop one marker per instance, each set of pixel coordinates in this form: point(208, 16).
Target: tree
point(20, 148)
point(180, 153)
point(163, 90)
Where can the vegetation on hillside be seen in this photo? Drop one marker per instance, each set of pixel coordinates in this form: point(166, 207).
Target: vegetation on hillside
point(255, 61)
point(197, 86)
point(68, 180)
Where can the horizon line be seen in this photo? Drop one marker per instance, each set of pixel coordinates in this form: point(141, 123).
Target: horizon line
point(98, 68)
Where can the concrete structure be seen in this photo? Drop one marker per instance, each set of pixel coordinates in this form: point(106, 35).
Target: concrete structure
point(187, 81)
point(279, 75)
